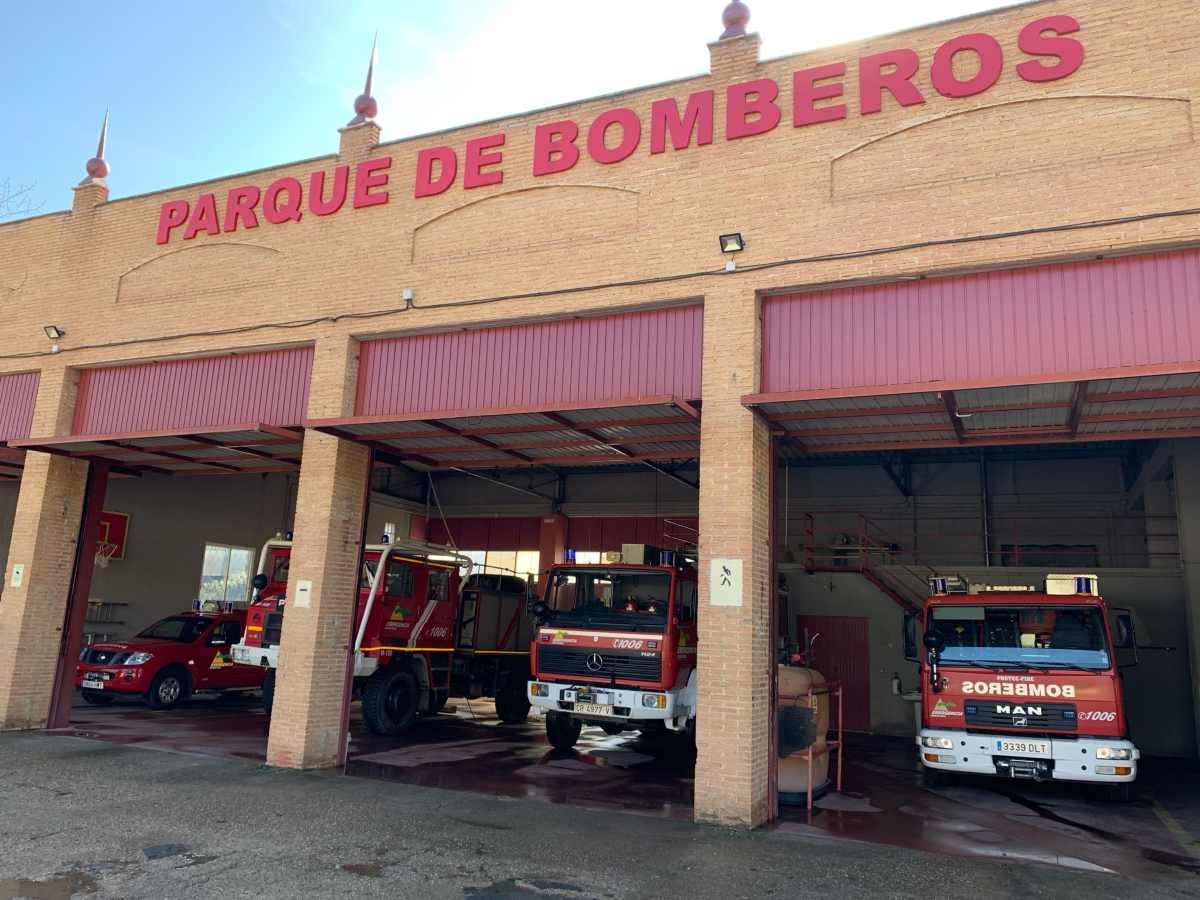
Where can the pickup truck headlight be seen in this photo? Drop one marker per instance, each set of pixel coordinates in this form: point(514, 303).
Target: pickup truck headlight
point(137, 659)
point(1114, 753)
point(938, 743)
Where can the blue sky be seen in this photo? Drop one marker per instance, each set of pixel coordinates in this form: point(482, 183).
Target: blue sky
point(199, 90)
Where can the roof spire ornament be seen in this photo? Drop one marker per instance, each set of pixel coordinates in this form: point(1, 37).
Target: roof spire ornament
point(365, 106)
point(735, 18)
point(97, 168)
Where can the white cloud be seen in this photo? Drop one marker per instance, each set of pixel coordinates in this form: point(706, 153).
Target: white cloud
point(509, 56)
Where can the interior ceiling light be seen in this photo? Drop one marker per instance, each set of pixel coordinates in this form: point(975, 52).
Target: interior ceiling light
point(53, 332)
point(732, 243)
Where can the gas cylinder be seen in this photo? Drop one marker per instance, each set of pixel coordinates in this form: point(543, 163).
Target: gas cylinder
point(802, 723)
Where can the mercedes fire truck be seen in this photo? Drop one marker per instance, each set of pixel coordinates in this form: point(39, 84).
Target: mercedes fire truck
point(1019, 682)
point(426, 628)
point(616, 646)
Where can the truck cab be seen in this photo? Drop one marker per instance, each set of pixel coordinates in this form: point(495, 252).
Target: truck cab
point(1021, 682)
point(616, 645)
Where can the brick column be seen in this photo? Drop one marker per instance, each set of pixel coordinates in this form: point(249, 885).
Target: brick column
point(308, 720)
point(735, 650)
point(1187, 505)
point(41, 557)
point(358, 142)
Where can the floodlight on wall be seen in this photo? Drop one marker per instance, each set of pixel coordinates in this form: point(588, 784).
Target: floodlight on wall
point(732, 243)
point(54, 332)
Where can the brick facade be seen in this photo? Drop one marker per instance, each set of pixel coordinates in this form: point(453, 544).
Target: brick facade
point(1113, 140)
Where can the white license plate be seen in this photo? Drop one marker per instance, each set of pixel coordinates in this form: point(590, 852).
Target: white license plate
point(93, 684)
point(594, 709)
point(1026, 748)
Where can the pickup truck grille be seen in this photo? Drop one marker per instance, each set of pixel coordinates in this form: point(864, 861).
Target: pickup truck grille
point(101, 657)
point(1027, 714)
point(622, 666)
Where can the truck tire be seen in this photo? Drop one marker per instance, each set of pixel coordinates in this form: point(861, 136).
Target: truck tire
point(512, 706)
point(562, 730)
point(613, 730)
point(268, 691)
point(97, 698)
point(390, 700)
point(437, 703)
point(170, 688)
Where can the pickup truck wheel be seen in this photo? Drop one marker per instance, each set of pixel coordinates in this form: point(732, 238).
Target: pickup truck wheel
point(268, 691)
point(97, 698)
point(170, 688)
point(512, 706)
point(389, 701)
point(562, 731)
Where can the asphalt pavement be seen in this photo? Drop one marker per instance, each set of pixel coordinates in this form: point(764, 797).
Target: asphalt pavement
point(88, 818)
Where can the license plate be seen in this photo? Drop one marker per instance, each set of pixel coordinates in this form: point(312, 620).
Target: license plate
point(1028, 748)
point(595, 709)
point(93, 684)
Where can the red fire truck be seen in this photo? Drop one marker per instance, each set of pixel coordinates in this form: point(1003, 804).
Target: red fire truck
point(424, 630)
point(616, 646)
point(1024, 683)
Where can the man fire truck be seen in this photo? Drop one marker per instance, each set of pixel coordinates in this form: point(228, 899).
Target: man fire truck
point(423, 631)
point(616, 646)
point(1021, 683)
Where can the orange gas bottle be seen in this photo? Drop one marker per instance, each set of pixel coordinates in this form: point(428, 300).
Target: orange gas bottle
point(802, 724)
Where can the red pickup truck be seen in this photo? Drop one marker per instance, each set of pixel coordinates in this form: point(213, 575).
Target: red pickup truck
point(169, 661)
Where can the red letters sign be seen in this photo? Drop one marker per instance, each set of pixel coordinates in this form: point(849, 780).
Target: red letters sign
point(751, 108)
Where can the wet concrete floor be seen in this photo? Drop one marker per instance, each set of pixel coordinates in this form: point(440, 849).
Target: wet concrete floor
point(466, 748)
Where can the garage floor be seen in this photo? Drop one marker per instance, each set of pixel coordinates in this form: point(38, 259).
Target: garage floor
point(883, 802)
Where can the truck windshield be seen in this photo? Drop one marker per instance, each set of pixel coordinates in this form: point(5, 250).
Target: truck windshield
point(1023, 636)
point(184, 629)
point(633, 599)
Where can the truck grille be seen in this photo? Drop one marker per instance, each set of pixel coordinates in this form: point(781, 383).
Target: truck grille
point(1028, 714)
point(272, 629)
point(100, 657)
point(624, 667)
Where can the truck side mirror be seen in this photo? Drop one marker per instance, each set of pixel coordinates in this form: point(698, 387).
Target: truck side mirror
point(540, 611)
point(260, 581)
point(1124, 639)
point(935, 644)
point(910, 636)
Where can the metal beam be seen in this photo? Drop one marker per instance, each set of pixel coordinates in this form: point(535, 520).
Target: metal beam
point(1078, 399)
point(951, 406)
point(504, 484)
point(1152, 470)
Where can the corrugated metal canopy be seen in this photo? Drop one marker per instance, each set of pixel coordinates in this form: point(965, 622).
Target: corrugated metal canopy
point(1114, 409)
point(226, 450)
point(639, 430)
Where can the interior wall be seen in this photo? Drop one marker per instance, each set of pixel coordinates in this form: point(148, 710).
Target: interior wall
point(1157, 691)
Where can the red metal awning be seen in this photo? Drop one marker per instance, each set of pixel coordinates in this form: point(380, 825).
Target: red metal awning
point(640, 430)
point(1113, 409)
point(225, 450)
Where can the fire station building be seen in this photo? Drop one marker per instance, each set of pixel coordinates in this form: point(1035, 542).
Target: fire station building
point(927, 302)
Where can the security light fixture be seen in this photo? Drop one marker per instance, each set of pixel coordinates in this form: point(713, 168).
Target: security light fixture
point(732, 243)
point(54, 332)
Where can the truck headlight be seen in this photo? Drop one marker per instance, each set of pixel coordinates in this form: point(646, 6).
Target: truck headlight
point(137, 659)
point(654, 701)
point(538, 690)
point(1114, 753)
point(938, 743)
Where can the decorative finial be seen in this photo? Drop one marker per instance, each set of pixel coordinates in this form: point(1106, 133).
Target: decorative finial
point(736, 17)
point(97, 168)
point(365, 106)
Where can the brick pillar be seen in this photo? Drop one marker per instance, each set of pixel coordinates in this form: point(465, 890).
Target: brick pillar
point(308, 720)
point(41, 557)
point(735, 652)
point(1187, 505)
point(552, 546)
point(358, 141)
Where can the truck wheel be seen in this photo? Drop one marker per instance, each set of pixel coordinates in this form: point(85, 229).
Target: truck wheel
point(1120, 793)
point(169, 689)
point(390, 701)
point(268, 691)
point(97, 698)
point(562, 731)
point(934, 779)
point(613, 730)
point(512, 706)
point(437, 704)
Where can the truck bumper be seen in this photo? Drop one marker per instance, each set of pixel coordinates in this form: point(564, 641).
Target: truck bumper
point(267, 657)
point(1064, 760)
point(625, 704)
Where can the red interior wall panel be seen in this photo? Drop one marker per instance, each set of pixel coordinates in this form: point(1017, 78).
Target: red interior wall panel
point(18, 397)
